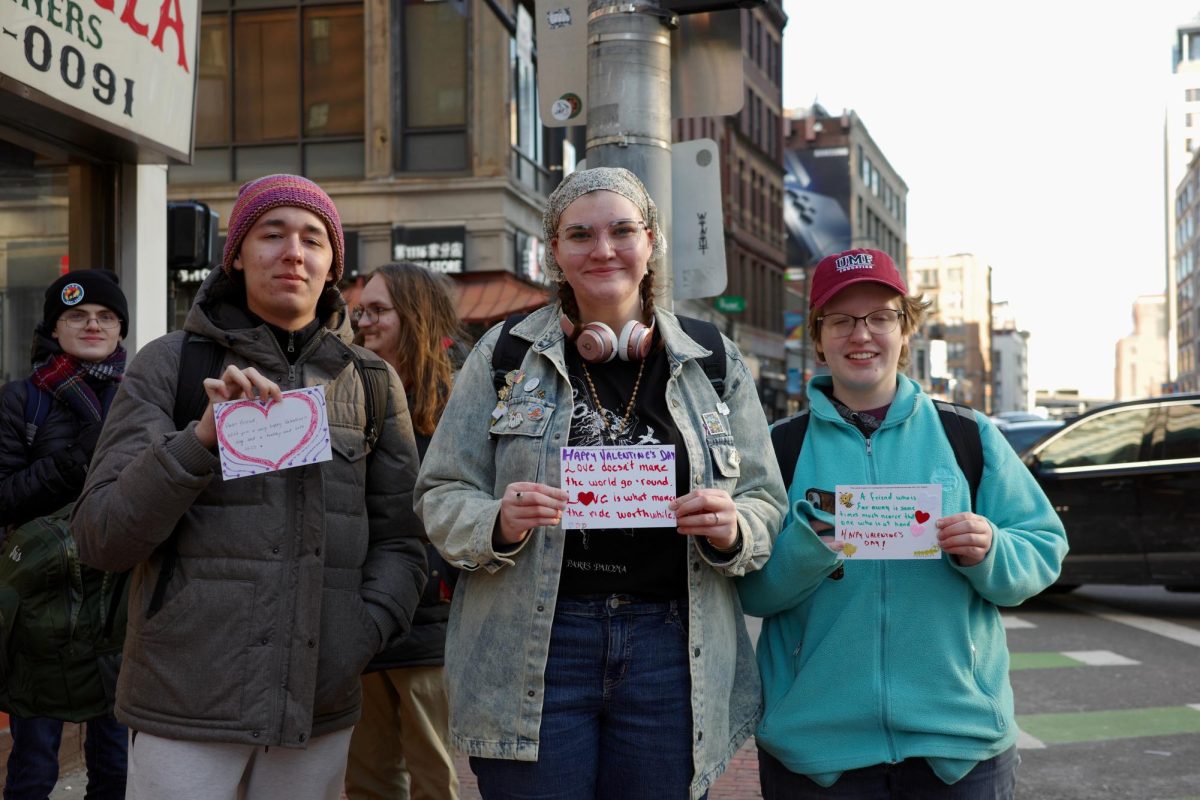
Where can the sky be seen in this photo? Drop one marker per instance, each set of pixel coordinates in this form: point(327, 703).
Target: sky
point(1029, 134)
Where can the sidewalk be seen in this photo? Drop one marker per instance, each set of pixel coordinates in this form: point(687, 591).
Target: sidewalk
point(740, 781)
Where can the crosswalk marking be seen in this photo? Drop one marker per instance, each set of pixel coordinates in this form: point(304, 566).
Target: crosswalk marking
point(1012, 623)
point(1171, 630)
point(1027, 742)
point(1099, 658)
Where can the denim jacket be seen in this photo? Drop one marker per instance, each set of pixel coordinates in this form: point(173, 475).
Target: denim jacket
point(503, 608)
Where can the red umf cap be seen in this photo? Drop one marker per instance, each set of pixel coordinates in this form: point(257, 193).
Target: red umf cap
point(840, 270)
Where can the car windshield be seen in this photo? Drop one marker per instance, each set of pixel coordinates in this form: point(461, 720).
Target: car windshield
point(1022, 436)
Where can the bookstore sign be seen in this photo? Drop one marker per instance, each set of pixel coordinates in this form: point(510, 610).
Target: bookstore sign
point(440, 249)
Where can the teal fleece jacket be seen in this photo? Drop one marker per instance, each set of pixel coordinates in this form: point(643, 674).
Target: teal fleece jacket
point(899, 659)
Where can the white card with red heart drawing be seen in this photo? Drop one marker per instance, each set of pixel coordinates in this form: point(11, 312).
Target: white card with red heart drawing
point(254, 437)
point(888, 521)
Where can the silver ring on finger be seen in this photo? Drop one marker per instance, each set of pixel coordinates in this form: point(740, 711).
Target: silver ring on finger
point(716, 520)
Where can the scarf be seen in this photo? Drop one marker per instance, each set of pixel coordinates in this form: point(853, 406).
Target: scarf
point(66, 377)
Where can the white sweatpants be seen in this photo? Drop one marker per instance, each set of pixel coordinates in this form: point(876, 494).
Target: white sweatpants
point(172, 768)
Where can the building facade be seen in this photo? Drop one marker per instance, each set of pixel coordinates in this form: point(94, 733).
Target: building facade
point(1010, 362)
point(1181, 137)
point(1185, 309)
point(960, 292)
point(839, 192)
point(750, 147)
point(420, 120)
point(1141, 362)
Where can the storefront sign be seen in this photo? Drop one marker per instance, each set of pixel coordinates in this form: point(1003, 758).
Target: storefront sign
point(436, 249)
point(125, 66)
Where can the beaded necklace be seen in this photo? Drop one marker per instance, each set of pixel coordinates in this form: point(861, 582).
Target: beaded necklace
point(612, 434)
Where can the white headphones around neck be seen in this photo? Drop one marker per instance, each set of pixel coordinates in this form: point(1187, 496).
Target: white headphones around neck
point(598, 343)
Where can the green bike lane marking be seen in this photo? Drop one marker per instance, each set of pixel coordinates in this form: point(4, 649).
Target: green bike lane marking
point(1096, 726)
point(1071, 658)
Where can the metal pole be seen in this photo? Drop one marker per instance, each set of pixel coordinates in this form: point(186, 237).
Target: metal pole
point(629, 101)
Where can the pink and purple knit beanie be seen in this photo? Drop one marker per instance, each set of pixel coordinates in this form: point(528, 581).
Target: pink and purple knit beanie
point(259, 196)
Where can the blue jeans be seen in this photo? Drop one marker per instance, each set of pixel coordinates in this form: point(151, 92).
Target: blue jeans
point(617, 709)
point(910, 779)
point(33, 762)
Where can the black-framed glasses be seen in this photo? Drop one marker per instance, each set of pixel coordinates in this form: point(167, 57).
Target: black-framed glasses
point(370, 313)
point(879, 321)
point(78, 319)
point(623, 234)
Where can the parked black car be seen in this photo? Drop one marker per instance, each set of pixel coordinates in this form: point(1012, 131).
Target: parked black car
point(1125, 479)
point(1023, 435)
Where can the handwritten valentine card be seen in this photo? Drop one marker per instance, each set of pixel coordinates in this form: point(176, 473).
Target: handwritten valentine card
point(254, 437)
point(888, 521)
point(618, 487)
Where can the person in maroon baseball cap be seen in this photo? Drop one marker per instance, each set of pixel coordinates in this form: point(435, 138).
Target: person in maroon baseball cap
point(847, 633)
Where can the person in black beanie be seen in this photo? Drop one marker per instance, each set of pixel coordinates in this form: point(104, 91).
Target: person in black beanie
point(78, 362)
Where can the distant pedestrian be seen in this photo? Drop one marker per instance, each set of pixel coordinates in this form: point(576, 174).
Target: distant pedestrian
point(889, 678)
point(78, 363)
point(401, 747)
point(256, 601)
point(607, 663)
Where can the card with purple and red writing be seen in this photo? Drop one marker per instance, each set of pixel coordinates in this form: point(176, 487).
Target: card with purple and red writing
point(888, 521)
point(618, 487)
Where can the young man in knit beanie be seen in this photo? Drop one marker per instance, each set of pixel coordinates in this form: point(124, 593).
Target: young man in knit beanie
point(256, 602)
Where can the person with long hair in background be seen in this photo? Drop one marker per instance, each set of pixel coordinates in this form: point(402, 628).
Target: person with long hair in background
point(400, 748)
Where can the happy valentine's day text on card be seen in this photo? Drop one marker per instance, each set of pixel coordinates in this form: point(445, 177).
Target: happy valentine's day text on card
point(888, 521)
point(618, 487)
point(254, 437)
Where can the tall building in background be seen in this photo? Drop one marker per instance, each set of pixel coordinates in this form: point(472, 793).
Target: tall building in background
point(839, 192)
point(1181, 142)
point(751, 154)
point(1185, 356)
point(1141, 357)
point(959, 288)
point(1010, 362)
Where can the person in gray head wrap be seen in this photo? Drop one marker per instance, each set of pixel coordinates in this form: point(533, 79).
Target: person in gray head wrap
point(582, 662)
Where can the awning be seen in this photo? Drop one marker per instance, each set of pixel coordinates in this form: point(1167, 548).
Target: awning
point(489, 296)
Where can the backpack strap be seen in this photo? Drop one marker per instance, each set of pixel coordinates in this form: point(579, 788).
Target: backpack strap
point(200, 358)
point(787, 439)
point(37, 407)
point(962, 429)
point(375, 379)
point(509, 352)
point(709, 336)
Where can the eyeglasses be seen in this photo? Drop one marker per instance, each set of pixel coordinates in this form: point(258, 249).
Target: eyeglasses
point(77, 320)
point(370, 313)
point(880, 321)
point(623, 234)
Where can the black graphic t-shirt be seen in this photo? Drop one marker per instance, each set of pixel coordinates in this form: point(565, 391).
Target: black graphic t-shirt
point(645, 562)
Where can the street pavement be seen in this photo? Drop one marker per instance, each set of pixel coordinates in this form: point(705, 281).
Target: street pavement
point(1107, 698)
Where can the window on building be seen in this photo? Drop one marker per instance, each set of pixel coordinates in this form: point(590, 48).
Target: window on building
point(274, 92)
point(433, 77)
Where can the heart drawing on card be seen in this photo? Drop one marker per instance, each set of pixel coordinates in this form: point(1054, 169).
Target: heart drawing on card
point(292, 425)
point(587, 498)
point(922, 516)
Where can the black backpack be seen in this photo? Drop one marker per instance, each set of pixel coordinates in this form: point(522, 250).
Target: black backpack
point(510, 351)
point(62, 625)
point(787, 439)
